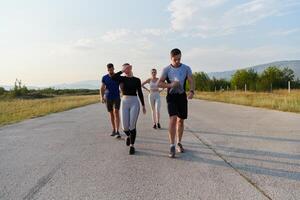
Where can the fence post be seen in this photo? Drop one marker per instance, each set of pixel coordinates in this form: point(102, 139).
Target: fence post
point(215, 89)
point(271, 87)
point(245, 87)
point(289, 86)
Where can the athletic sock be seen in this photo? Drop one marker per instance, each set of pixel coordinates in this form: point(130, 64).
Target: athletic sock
point(132, 136)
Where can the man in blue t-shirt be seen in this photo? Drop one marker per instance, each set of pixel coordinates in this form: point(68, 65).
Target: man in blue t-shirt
point(176, 74)
point(110, 95)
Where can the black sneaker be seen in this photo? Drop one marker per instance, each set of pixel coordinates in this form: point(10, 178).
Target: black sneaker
point(158, 125)
point(131, 150)
point(113, 133)
point(127, 141)
point(180, 148)
point(154, 126)
point(172, 152)
point(118, 136)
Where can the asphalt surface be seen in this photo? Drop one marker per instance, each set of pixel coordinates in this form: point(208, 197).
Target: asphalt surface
point(232, 152)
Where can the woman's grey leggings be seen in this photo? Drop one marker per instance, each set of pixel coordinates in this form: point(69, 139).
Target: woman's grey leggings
point(130, 109)
point(154, 101)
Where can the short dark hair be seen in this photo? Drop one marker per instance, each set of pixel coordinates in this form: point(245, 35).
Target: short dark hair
point(110, 65)
point(175, 52)
point(153, 69)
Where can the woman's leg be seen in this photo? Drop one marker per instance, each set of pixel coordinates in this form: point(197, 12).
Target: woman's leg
point(152, 106)
point(125, 116)
point(157, 108)
point(134, 114)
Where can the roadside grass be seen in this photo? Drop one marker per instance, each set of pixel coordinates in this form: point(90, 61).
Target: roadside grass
point(15, 110)
point(278, 100)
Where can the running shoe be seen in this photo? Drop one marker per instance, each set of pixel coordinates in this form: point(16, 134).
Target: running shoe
point(158, 125)
point(118, 136)
point(131, 150)
point(127, 141)
point(172, 152)
point(154, 126)
point(113, 133)
point(180, 148)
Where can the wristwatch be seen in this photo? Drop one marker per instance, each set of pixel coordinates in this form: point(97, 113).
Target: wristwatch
point(192, 91)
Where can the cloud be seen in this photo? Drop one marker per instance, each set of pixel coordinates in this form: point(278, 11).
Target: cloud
point(119, 35)
point(85, 43)
point(116, 35)
point(155, 31)
point(206, 18)
point(285, 32)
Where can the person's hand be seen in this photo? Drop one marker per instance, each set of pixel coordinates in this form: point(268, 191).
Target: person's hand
point(175, 84)
point(103, 100)
point(190, 95)
point(144, 109)
point(125, 67)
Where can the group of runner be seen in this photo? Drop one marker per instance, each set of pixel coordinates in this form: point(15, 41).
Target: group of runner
point(173, 77)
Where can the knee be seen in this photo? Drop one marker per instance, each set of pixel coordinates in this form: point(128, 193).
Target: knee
point(180, 122)
point(116, 112)
point(173, 120)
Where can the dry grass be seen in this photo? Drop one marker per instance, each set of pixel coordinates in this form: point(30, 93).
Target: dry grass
point(278, 100)
point(16, 110)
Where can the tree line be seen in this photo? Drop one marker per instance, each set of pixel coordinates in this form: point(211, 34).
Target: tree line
point(271, 78)
point(21, 91)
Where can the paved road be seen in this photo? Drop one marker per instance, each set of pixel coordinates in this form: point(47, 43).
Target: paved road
point(233, 152)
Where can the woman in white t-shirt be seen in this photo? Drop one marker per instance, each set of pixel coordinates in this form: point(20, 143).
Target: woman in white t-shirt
point(154, 97)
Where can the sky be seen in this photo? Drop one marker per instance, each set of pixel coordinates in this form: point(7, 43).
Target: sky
point(48, 42)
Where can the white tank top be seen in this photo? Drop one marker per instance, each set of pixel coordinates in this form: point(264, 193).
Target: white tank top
point(153, 85)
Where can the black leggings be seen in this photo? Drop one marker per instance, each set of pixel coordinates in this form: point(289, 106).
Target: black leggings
point(132, 135)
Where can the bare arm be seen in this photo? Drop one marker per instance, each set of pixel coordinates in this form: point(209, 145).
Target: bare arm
point(192, 86)
point(144, 83)
point(163, 84)
point(102, 91)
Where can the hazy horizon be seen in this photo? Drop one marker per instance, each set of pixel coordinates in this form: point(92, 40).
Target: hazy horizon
point(53, 42)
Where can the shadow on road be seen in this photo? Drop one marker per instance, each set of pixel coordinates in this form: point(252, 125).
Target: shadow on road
point(198, 152)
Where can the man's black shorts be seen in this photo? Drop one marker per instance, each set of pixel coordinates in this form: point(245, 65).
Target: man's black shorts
point(113, 104)
point(177, 105)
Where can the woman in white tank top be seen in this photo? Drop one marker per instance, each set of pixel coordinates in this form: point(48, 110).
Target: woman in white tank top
point(154, 97)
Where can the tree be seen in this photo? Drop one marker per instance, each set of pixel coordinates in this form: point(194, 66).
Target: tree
point(19, 89)
point(271, 78)
point(2, 91)
point(202, 81)
point(242, 77)
point(219, 84)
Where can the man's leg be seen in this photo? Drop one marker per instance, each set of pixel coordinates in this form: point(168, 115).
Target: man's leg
point(109, 106)
point(172, 134)
point(112, 120)
point(117, 119)
point(180, 128)
point(117, 123)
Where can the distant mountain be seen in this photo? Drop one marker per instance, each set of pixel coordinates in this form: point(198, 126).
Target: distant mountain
point(9, 87)
point(89, 84)
point(293, 64)
point(6, 87)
